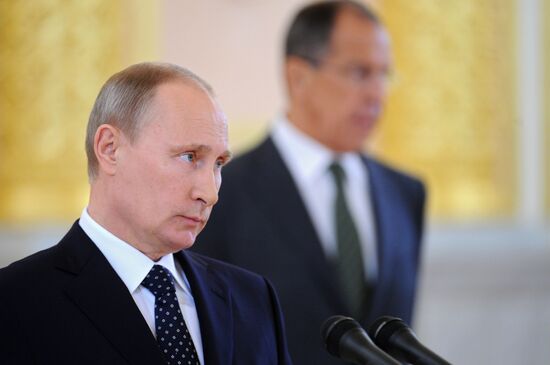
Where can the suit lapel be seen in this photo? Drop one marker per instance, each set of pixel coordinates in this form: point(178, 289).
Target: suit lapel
point(384, 206)
point(213, 303)
point(100, 294)
point(292, 219)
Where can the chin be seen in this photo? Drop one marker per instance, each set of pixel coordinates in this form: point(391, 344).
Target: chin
point(348, 145)
point(181, 241)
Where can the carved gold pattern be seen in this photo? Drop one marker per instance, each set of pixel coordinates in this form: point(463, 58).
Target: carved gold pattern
point(54, 57)
point(451, 113)
point(451, 116)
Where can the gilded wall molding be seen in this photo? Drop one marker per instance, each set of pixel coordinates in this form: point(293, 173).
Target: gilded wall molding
point(54, 57)
point(451, 115)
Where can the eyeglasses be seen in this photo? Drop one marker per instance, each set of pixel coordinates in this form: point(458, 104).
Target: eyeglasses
point(358, 75)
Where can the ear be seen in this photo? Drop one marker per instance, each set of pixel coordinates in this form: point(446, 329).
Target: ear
point(298, 74)
point(106, 142)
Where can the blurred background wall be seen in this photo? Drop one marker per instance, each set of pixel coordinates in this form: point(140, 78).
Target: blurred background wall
point(469, 112)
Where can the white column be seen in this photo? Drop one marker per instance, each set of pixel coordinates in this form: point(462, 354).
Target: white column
point(530, 108)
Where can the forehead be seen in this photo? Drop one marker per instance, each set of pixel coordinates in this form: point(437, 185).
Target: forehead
point(355, 34)
point(181, 110)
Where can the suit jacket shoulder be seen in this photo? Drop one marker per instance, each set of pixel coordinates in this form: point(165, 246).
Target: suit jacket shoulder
point(67, 305)
point(387, 182)
point(411, 184)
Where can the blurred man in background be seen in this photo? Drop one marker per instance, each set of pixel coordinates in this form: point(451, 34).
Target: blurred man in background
point(336, 231)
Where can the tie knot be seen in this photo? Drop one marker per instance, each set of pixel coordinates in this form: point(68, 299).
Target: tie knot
point(159, 281)
point(337, 172)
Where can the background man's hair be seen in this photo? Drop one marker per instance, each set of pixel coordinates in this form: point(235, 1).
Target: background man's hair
point(309, 33)
point(125, 98)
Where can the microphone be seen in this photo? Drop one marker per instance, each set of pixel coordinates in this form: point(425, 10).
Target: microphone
point(395, 337)
point(344, 338)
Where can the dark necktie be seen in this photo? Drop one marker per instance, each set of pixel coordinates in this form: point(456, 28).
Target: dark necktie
point(350, 262)
point(173, 336)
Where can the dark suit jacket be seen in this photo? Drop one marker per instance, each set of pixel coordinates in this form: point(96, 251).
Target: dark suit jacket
point(261, 223)
point(66, 305)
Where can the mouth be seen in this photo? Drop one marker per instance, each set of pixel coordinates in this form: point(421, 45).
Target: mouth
point(192, 219)
point(367, 117)
point(365, 121)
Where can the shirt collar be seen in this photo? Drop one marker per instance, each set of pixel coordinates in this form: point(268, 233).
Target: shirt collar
point(353, 166)
point(306, 157)
point(130, 264)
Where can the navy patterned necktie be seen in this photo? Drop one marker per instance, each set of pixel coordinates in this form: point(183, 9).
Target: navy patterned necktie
point(173, 336)
point(350, 262)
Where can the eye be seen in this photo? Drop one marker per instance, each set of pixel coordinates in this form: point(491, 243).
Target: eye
point(188, 156)
point(358, 73)
point(220, 163)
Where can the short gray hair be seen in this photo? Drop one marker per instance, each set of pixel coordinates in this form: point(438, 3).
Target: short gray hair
point(125, 98)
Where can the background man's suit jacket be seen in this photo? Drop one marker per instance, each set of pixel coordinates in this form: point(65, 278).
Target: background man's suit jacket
point(261, 223)
point(66, 305)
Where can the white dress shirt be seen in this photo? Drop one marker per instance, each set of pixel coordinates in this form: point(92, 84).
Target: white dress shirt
point(308, 162)
point(132, 266)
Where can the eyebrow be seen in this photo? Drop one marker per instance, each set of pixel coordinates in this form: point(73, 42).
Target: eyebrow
point(227, 156)
point(202, 149)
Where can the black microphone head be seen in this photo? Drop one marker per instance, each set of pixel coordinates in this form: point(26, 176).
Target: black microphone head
point(344, 338)
point(396, 338)
point(383, 328)
point(332, 331)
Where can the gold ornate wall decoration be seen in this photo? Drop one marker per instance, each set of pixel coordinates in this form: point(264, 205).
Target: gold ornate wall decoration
point(451, 116)
point(54, 57)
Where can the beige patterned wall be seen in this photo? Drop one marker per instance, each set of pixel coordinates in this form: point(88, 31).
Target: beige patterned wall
point(54, 56)
point(451, 115)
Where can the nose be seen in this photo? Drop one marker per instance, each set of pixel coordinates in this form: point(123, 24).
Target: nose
point(206, 187)
point(376, 88)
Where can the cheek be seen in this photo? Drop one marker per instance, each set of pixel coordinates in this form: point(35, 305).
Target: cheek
point(336, 101)
point(150, 186)
point(170, 187)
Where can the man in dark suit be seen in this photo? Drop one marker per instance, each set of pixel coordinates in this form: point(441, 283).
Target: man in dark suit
point(119, 287)
point(336, 231)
